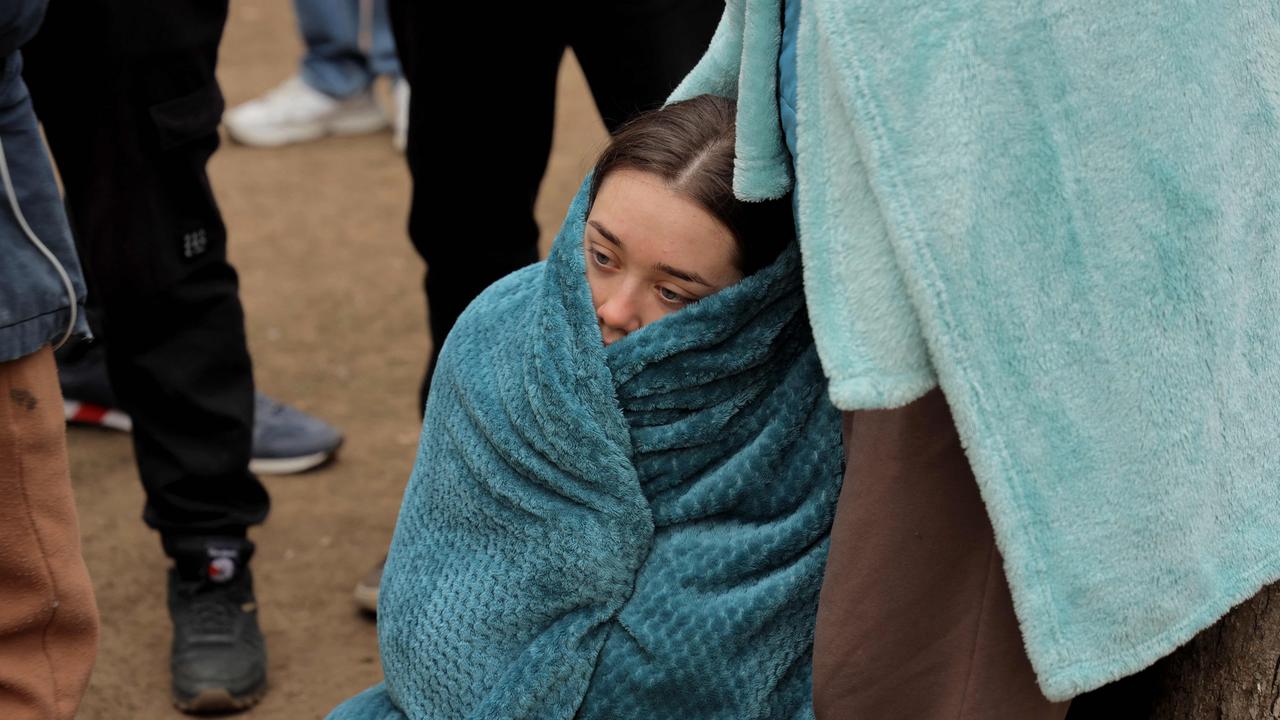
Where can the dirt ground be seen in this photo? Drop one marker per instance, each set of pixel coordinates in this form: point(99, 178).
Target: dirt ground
point(335, 316)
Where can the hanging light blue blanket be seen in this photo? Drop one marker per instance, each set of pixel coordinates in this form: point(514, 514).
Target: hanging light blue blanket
point(1067, 214)
point(637, 531)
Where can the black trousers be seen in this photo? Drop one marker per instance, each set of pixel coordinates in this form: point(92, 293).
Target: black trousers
point(480, 121)
point(131, 124)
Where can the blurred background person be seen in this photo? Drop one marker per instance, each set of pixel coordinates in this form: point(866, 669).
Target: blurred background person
point(332, 94)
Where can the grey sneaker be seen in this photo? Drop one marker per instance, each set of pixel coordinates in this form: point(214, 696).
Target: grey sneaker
point(367, 589)
point(287, 440)
point(219, 658)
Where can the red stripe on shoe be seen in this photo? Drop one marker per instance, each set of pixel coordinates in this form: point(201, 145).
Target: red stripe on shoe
point(89, 414)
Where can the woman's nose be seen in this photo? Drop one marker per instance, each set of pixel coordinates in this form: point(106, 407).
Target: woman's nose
point(620, 312)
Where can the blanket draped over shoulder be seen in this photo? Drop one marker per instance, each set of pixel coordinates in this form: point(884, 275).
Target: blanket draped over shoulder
point(1067, 214)
point(637, 531)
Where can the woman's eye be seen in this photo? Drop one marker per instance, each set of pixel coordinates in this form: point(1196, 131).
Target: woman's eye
point(600, 258)
point(670, 296)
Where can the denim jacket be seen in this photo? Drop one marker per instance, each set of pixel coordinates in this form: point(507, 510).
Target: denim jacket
point(35, 306)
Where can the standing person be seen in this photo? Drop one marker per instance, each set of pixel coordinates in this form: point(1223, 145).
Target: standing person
point(1040, 265)
point(154, 249)
point(48, 618)
point(632, 55)
point(332, 94)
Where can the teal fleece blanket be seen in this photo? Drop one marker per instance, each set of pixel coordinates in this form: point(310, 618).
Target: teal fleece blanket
point(637, 531)
point(1066, 214)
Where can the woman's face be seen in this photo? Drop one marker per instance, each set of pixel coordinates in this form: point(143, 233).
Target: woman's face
point(650, 252)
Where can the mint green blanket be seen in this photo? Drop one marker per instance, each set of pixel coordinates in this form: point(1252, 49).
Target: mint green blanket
point(637, 531)
point(1067, 215)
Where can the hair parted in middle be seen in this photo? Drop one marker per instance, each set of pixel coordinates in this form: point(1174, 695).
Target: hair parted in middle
point(689, 145)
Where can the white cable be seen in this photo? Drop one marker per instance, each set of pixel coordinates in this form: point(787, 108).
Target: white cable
point(53, 259)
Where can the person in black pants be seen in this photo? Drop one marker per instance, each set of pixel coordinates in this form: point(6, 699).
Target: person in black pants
point(480, 128)
point(131, 124)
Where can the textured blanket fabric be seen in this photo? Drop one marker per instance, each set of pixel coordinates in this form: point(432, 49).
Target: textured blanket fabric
point(1067, 212)
point(637, 531)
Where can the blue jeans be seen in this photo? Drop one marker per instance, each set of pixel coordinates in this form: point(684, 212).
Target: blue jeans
point(334, 63)
point(34, 304)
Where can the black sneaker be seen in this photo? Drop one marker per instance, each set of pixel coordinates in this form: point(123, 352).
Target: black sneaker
point(219, 659)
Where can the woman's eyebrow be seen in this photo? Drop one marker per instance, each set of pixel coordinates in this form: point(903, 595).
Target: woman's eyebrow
point(607, 235)
point(685, 275)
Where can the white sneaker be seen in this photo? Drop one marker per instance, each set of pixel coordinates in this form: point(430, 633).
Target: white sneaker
point(295, 112)
point(400, 124)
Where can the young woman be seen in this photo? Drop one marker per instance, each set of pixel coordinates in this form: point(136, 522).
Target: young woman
point(624, 490)
point(665, 184)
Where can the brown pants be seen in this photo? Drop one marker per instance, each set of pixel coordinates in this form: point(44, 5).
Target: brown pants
point(48, 620)
point(915, 618)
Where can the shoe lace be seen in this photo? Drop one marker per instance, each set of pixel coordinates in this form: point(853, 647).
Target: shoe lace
point(266, 406)
point(210, 610)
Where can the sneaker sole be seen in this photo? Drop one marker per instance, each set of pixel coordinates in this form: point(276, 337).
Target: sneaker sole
point(290, 465)
point(306, 133)
point(83, 413)
point(358, 125)
point(219, 700)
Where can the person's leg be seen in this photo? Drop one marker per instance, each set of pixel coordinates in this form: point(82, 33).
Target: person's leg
point(48, 619)
point(382, 50)
point(334, 63)
point(383, 61)
point(154, 249)
point(634, 54)
point(285, 439)
point(332, 93)
point(495, 158)
point(154, 245)
point(179, 363)
point(915, 619)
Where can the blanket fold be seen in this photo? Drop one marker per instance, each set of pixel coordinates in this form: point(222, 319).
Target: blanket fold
point(637, 531)
point(1067, 213)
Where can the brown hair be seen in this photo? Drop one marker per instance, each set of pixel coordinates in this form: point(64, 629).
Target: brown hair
point(689, 144)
